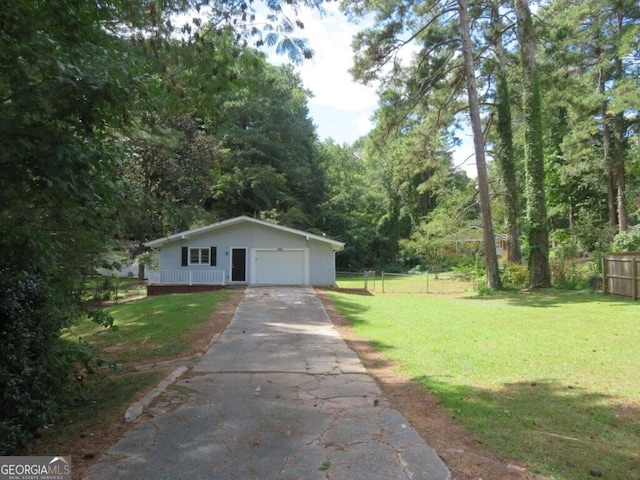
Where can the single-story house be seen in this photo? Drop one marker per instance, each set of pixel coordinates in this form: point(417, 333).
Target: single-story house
point(243, 251)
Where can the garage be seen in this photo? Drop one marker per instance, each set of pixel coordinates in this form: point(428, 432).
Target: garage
point(280, 267)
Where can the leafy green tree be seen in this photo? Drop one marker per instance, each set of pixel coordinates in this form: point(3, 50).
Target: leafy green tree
point(537, 229)
point(435, 240)
point(65, 83)
point(436, 77)
point(263, 123)
point(595, 49)
point(210, 138)
point(504, 153)
point(350, 206)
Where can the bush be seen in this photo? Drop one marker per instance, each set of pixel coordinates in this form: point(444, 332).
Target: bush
point(569, 270)
point(628, 241)
point(469, 273)
point(37, 368)
point(515, 275)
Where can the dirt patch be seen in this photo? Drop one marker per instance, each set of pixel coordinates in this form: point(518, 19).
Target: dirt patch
point(463, 453)
point(218, 322)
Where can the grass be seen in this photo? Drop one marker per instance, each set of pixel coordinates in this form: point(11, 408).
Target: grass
point(157, 328)
point(402, 283)
point(101, 405)
point(151, 328)
point(549, 378)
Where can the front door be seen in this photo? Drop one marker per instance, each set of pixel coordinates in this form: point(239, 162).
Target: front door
point(238, 264)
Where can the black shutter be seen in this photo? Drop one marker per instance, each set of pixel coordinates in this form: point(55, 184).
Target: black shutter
point(213, 257)
point(185, 256)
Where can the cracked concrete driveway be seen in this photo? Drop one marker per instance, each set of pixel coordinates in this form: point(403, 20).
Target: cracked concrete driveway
point(278, 396)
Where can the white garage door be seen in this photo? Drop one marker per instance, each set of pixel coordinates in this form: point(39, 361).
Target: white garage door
point(280, 267)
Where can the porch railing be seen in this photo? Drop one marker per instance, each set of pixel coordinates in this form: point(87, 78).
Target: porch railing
point(185, 277)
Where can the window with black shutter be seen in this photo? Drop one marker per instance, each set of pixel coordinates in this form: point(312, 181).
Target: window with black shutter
point(199, 256)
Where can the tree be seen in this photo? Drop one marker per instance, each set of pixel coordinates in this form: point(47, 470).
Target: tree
point(504, 150)
point(349, 209)
point(537, 233)
point(595, 47)
point(65, 82)
point(263, 124)
point(435, 28)
point(491, 259)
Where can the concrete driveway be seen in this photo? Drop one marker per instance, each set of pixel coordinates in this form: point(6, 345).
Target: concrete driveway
point(278, 396)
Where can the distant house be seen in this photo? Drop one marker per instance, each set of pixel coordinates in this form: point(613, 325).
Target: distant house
point(242, 251)
point(474, 234)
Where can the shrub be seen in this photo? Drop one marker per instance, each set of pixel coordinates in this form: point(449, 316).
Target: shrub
point(571, 271)
point(37, 368)
point(515, 275)
point(628, 241)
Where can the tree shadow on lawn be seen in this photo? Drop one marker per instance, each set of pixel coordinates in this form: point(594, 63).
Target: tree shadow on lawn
point(555, 429)
point(352, 291)
point(553, 298)
point(351, 310)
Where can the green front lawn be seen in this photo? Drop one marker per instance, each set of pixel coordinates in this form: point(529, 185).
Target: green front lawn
point(145, 330)
point(151, 328)
point(549, 378)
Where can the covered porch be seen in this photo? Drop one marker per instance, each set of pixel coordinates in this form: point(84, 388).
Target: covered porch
point(186, 277)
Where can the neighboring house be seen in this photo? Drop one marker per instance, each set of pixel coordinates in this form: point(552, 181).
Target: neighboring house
point(242, 251)
point(117, 262)
point(474, 234)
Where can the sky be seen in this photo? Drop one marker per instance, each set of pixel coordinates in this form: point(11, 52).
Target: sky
point(340, 108)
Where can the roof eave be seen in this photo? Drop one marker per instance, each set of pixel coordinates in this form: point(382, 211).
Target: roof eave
point(337, 246)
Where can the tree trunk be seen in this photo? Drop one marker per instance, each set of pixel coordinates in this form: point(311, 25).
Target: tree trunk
point(140, 271)
point(504, 145)
point(618, 156)
point(623, 224)
point(618, 160)
point(490, 256)
point(607, 156)
point(539, 270)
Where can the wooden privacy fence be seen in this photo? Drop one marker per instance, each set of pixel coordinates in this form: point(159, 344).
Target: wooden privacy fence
point(621, 274)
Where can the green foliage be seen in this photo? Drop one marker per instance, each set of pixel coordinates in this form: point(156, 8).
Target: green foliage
point(534, 190)
point(591, 72)
point(37, 368)
point(571, 271)
point(515, 275)
point(590, 230)
point(268, 162)
point(65, 82)
point(628, 241)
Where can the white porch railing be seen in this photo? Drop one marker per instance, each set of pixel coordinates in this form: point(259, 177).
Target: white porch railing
point(185, 277)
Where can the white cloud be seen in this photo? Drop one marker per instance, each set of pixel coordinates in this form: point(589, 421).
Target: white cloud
point(340, 107)
point(327, 74)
